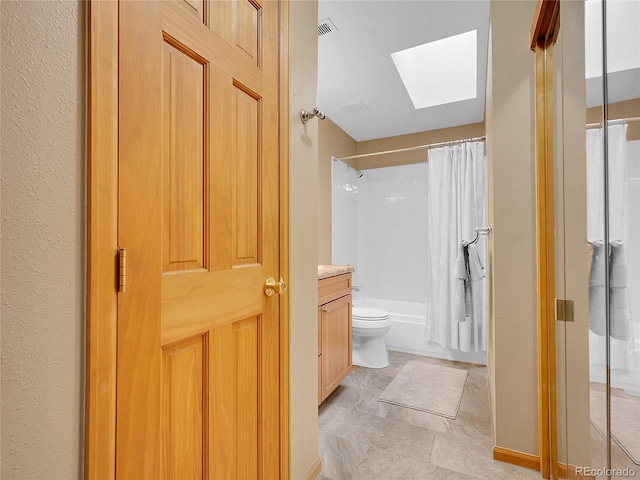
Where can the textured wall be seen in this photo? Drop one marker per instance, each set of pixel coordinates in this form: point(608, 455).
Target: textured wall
point(512, 250)
point(304, 238)
point(43, 238)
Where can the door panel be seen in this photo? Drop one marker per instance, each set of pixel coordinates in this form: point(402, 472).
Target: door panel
point(246, 113)
point(183, 417)
point(244, 29)
point(247, 16)
point(184, 196)
point(234, 390)
point(199, 342)
point(196, 8)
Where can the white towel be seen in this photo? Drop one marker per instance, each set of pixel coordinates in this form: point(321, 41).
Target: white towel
point(476, 269)
point(467, 268)
point(620, 315)
point(461, 274)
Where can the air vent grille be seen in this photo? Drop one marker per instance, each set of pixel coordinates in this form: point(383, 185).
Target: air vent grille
point(323, 29)
point(326, 26)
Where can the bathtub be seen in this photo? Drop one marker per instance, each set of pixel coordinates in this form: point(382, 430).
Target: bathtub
point(624, 366)
point(407, 331)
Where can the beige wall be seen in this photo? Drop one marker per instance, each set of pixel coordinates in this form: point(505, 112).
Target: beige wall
point(510, 155)
point(304, 238)
point(332, 141)
point(412, 140)
point(43, 224)
point(626, 109)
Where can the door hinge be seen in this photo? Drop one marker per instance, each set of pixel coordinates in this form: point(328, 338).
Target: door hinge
point(564, 310)
point(122, 270)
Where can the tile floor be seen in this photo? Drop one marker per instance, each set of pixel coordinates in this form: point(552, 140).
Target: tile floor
point(361, 438)
point(619, 458)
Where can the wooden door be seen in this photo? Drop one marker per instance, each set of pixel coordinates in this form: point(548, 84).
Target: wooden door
point(198, 341)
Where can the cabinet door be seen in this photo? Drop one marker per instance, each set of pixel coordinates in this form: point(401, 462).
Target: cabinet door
point(336, 343)
point(320, 389)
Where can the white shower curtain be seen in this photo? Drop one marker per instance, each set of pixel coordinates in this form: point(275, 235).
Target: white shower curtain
point(456, 204)
point(622, 356)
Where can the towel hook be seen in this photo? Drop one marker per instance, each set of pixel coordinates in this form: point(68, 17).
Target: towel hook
point(479, 231)
point(305, 115)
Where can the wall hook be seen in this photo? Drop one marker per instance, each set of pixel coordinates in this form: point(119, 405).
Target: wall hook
point(305, 115)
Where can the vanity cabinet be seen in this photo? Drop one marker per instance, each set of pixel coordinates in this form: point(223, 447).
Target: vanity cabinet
point(334, 333)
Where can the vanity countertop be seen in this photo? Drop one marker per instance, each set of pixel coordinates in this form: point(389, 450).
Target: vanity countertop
point(326, 271)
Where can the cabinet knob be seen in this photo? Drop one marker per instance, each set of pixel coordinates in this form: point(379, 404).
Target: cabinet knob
point(324, 309)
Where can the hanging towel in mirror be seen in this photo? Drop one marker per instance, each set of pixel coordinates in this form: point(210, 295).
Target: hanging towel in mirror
point(620, 314)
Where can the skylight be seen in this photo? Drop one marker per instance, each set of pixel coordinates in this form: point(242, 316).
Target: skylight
point(623, 37)
point(440, 72)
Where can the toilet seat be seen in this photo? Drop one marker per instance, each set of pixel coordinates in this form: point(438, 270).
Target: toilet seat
point(370, 325)
point(369, 314)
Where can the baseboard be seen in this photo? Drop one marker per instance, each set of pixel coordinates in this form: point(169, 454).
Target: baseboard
point(314, 471)
point(514, 457)
point(533, 462)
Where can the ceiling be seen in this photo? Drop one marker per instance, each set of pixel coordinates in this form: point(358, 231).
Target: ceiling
point(623, 51)
point(355, 65)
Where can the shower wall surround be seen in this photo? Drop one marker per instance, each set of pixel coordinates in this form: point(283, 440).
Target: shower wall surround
point(379, 226)
point(392, 212)
point(344, 217)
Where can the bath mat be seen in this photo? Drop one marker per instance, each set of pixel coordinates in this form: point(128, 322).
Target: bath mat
point(429, 388)
point(625, 422)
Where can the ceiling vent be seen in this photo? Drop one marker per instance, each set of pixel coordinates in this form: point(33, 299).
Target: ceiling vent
point(355, 107)
point(325, 26)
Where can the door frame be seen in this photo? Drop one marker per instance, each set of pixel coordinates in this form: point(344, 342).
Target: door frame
point(102, 238)
point(543, 36)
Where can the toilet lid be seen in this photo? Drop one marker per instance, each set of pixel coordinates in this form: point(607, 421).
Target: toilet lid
point(371, 314)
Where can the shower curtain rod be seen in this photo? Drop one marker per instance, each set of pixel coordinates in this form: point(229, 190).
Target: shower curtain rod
point(419, 147)
point(599, 124)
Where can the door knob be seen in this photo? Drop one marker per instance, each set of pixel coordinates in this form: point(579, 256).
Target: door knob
point(281, 287)
point(271, 286)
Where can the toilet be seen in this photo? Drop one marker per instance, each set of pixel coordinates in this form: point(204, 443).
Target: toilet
point(370, 325)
